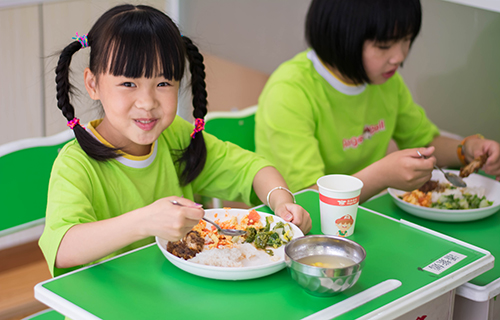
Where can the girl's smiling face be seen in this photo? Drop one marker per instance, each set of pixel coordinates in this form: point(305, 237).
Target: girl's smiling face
point(137, 110)
point(382, 59)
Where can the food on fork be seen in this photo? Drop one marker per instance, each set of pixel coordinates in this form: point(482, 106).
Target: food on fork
point(474, 166)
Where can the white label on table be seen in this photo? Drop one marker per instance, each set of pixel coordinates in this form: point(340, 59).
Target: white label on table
point(445, 262)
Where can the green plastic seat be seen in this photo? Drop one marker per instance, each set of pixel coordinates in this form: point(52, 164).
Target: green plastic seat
point(237, 127)
point(25, 167)
point(47, 314)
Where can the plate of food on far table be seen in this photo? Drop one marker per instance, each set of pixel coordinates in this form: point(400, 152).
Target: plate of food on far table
point(257, 253)
point(439, 200)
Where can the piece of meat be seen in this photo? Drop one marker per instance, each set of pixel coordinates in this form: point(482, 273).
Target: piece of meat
point(188, 247)
point(429, 186)
point(194, 241)
point(474, 166)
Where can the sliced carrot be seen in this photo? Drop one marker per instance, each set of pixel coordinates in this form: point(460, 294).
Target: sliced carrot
point(253, 217)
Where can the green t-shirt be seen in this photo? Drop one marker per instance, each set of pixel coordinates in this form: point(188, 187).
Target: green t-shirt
point(309, 123)
point(82, 189)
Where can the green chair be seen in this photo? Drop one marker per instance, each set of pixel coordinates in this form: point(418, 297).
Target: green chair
point(237, 127)
point(25, 167)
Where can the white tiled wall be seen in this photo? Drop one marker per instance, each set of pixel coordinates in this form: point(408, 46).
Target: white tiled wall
point(20, 88)
point(30, 37)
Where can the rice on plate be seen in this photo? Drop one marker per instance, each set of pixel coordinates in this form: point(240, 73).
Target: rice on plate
point(232, 257)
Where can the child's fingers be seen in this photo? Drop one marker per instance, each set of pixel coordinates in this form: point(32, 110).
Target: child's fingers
point(179, 201)
point(300, 217)
point(426, 162)
point(189, 210)
point(425, 152)
point(193, 214)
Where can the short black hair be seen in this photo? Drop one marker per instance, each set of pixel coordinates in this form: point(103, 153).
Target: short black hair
point(337, 29)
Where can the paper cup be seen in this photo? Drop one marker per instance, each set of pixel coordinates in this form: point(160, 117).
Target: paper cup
point(338, 203)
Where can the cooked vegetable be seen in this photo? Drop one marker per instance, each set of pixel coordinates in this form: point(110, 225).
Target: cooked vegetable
point(264, 237)
point(261, 240)
point(274, 240)
point(448, 197)
point(251, 233)
point(466, 201)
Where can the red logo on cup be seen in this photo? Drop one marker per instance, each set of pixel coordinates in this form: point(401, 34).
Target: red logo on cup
point(338, 202)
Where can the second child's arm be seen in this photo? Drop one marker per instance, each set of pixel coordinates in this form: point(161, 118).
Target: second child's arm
point(474, 147)
point(403, 169)
point(280, 201)
point(87, 242)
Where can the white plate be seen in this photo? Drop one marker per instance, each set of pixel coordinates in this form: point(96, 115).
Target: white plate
point(263, 268)
point(491, 186)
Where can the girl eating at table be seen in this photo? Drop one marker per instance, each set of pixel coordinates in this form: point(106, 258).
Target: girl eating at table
point(335, 107)
point(117, 185)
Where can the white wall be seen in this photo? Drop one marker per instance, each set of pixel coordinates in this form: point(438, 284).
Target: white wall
point(31, 34)
point(258, 34)
point(453, 69)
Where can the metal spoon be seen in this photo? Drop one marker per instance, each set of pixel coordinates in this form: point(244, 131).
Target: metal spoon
point(451, 177)
point(226, 232)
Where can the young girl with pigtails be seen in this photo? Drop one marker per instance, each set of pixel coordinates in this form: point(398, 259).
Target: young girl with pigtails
point(117, 185)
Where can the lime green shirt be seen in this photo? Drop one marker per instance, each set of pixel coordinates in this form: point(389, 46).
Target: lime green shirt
point(309, 123)
point(83, 190)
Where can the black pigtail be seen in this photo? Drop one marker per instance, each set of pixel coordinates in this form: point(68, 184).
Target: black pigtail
point(194, 156)
point(88, 143)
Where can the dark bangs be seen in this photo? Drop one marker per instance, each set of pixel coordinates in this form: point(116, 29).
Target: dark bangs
point(391, 20)
point(136, 41)
point(337, 29)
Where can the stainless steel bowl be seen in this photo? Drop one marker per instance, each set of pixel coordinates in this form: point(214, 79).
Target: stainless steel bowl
point(320, 281)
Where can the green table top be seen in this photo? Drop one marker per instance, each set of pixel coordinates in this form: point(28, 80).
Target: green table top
point(143, 284)
point(484, 233)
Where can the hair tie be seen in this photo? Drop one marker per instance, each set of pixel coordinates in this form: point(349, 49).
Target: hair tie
point(199, 125)
point(82, 39)
point(73, 122)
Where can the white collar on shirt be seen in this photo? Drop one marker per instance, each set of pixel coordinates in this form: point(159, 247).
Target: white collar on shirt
point(140, 163)
point(333, 81)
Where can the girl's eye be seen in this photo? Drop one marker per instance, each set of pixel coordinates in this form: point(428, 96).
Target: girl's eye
point(128, 84)
point(384, 46)
point(163, 84)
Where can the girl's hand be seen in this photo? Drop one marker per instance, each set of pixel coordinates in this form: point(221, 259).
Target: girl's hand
point(87, 242)
point(405, 169)
point(171, 222)
point(295, 214)
point(280, 200)
point(475, 148)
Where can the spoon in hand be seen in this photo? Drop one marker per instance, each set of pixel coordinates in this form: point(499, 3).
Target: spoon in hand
point(451, 177)
point(226, 232)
